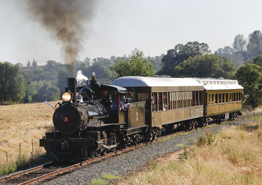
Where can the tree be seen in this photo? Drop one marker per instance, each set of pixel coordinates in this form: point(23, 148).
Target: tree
point(209, 65)
point(12, 84)
point(33, 90)
point(180, 53)
point(156, 61)
point(230, 53)
point(46, 93)
point(135, 65)
point(62, 80)
point(34, 64)
point(250, 77)
point(102, 71)
point(254, 46)
point(258, 60)
point(240, 46)
point(28, 63)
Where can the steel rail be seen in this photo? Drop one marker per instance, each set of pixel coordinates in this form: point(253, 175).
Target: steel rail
point(17, 174)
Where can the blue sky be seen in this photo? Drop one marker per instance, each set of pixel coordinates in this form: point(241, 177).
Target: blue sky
point(152, 26)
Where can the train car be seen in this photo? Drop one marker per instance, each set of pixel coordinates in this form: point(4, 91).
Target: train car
point(169, 100)
point(223, 98)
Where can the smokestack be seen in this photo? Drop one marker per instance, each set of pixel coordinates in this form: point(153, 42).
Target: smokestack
point(72, 87)
point(64, 20)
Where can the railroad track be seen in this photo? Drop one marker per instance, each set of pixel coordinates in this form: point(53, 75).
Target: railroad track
point(48, 170)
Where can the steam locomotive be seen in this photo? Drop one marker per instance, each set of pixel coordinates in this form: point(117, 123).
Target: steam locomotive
point(95, 119)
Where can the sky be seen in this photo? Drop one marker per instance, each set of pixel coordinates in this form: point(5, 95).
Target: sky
point(120, 26)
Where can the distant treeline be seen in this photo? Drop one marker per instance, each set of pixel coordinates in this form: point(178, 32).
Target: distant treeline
point(242, 60)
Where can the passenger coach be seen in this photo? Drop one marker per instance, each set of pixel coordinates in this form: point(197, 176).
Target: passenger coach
point(169, 100)
point(223, 98)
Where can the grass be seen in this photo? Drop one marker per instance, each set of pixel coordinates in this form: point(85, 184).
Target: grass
point(233, 156)
point(24, 124)
point(105, 176)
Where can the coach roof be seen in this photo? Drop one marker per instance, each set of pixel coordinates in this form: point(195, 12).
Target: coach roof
point(219, 84)
point(138, 81)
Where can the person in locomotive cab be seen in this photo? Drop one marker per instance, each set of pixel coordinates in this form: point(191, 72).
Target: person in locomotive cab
point(114, 100)
point(95, 86)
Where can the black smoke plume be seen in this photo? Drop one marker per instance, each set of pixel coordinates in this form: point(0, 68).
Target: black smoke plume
point(65, 20)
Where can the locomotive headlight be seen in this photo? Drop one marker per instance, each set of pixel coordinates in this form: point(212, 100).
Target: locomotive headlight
point(66, 96)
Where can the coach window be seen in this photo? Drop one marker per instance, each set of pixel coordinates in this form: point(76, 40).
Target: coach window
point(183, 99)
point(201, 97)
point(189, 99)
point(240, 96)
point(193, 98)
point(154, 101)
point(197, 98)
point(171, 100)
point(160, 102)
point(175, 100)
point(165, 101)
point(219, 98)
point(226, 97)
point(142, 96)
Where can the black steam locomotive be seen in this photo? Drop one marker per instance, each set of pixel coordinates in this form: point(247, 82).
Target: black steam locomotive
point(89, 122)
point(95, 119)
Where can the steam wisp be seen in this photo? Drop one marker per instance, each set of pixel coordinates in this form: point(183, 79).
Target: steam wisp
point(80, 78)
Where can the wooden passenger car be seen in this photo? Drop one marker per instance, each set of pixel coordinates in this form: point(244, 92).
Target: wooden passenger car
point(222, 96)
point(169, 100)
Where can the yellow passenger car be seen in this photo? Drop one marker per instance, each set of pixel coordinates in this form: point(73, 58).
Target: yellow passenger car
point(223, 97)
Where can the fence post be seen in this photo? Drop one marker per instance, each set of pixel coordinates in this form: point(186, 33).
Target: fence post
point(32, 148)
point(20, 149)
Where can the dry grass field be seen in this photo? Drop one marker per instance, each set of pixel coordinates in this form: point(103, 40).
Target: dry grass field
point(23, 123)
point(233, 156)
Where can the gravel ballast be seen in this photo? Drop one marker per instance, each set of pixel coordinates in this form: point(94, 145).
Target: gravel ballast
point(123, 163)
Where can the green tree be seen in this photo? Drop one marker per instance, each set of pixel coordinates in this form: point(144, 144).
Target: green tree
point(34, 64)
point(229, 52)
point(240, 46)
point(135, 65)
point(254, 46)
point(180, 53)
point(12, 84)
point(156, 61)
point(33, 90)
point(250, 77)
point(258, 60)
point(62, 80)
point(47, 92)
point(209, 65)
point(102, 71)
